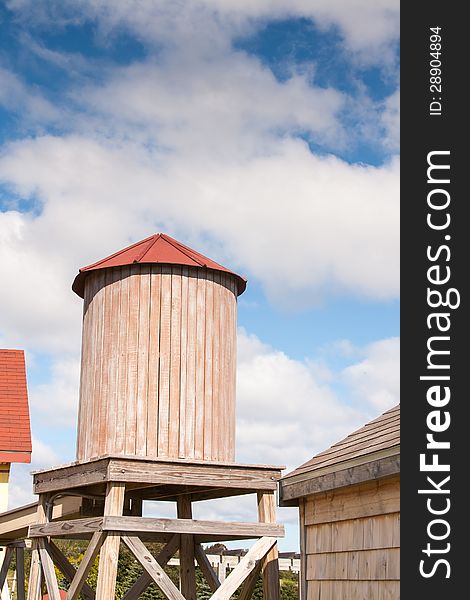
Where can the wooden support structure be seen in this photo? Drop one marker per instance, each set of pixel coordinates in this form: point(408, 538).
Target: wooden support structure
point(109, 553)
point(270, 566)
point(145, 579)
point(187, 572)
point(122, 484)
point(34, 585)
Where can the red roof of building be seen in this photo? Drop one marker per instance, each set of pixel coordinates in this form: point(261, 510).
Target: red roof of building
point(15, 431)
point(158, 248)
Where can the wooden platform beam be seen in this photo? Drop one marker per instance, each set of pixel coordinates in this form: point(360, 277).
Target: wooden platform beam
point(146, 525)
point(200, 474)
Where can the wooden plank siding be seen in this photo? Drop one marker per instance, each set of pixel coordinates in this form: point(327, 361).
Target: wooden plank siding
point(158, 363)
point(352, 542)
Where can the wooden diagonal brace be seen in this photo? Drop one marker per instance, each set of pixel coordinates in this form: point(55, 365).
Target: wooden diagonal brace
point(206, 568)
point(248, 586)
point(138, 549)
point(48, 570)
point(244, 568)
point(145, 580)
point(84, 567)
point(5, 566)
point(68, 569)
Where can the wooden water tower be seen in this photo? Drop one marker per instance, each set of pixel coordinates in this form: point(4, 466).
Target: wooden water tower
point(156, 422)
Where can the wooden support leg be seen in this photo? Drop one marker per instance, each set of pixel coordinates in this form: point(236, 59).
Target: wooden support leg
point(113, 506)
point(20, 573)
point(34, 586)
point(187, 569)
point(270, 566)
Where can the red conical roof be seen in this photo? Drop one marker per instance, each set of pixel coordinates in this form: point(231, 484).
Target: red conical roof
point(159, 248)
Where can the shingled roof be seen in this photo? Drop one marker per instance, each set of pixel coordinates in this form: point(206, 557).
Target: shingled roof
point(156, 249)
point(15, 432)
point(372, 451)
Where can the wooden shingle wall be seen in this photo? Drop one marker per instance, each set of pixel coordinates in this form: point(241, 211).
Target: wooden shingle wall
point(351, 542)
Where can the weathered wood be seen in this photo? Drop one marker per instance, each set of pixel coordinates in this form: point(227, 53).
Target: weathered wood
point(201, 367)
point(193, 527)
point(248, 586)
point(5, 565)
point(270, 566)
point(179, 473)
point(154, 365)
point(67, 568)
point(380, 564)
point(109, 553)
point(85, 565)
point(34, 585)
point(137, 547)
point(206, 568)
point(208, 374)
point(145, 580)
point(372, 498)
point(244, 568)
point(71, 476)
point(175, 363)
point(165, 347)
point(312, 483)
point(132, 361)
point(380, 531)
point(187, 571)
point(49, 572)
point(20, 580)
point(303, 552)
point(152, 525)
point(144, 327)
point(73, 527)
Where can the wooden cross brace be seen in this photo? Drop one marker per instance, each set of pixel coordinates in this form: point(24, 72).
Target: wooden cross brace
point(224, 591)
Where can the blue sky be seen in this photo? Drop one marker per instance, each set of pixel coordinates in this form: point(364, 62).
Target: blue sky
point(263, 134)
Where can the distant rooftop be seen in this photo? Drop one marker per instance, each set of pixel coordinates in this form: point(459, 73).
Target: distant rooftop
point(15, 432)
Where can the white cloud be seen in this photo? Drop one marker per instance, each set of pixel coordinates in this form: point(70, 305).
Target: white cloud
point(284, 415)
point(17, 97)
point(301, 224)
point(376, 378)
point(20, 488)
point(368, 28)
point(56, 402)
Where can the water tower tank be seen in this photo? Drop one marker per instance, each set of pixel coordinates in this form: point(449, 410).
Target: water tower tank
point(158, 354)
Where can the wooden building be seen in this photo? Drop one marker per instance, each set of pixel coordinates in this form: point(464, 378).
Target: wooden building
point(15, 437)
point(156, 421)
point(349, 503)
